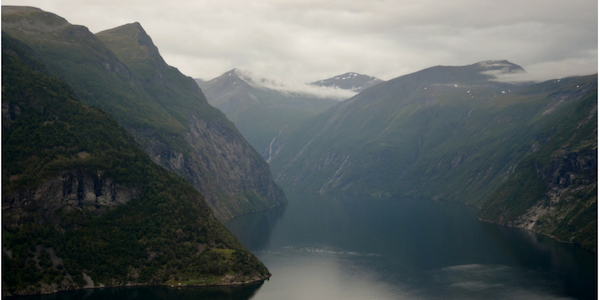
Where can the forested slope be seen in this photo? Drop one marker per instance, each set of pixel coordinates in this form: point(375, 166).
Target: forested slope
point(84, 206)
point(121, 71)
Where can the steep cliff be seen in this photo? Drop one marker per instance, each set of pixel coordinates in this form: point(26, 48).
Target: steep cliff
point(121, 71)
point(83, 206)
point(554, 190)
point(77, 189)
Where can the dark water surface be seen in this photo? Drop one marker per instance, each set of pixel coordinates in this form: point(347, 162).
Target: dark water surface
point(351, 247)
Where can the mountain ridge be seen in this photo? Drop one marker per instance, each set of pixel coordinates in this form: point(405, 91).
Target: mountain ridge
point(445, 133)
point(163, 109)
point(78, 192)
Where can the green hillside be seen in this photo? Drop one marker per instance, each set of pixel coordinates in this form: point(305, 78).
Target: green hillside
point(83, 206)
point(418, 136)
point(554, 189)
point(95, 73)
point(175, 93)
point(446, 133)
point(121, 71)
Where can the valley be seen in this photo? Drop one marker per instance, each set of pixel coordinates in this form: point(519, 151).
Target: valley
point(121, 171)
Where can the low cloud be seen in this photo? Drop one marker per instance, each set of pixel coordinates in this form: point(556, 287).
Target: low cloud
point(294, 87)
point(552, 70)
point(308, 40)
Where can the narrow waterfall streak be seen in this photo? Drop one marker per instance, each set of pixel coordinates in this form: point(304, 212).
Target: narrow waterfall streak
point(272, 141)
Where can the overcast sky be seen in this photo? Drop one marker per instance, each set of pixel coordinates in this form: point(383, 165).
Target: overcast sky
point(309, 40)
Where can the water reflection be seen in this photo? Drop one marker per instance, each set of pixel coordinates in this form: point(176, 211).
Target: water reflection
point(254, 230)
point(574, 267)
point(353, 247)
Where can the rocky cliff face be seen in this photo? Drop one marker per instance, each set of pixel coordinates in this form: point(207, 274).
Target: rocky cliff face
point(568, 177)
point(233, 178)
point(554, 190)
point(215, 157)
point(567, 209)
point(76, 189)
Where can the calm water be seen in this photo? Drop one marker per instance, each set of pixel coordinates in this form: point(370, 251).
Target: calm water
point(349, 247)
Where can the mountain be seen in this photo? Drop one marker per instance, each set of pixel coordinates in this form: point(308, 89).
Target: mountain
point(447, 132)
point(121, 71)
point(83, 206)
point(258, 111)
point(554, 189)
point(349, 81)
point(395, 125)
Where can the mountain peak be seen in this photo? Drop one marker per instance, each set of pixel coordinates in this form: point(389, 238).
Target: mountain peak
point(130, 42)
point(128, 33)
point(231, 79)
point(502, 66)
point(477, 73)
point(247, 77)
point(233, 73)
point(349, 81)
point(134, 28)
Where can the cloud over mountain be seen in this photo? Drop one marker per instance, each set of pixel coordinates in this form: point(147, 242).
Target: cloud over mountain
point(305, 40)
point(294, 87)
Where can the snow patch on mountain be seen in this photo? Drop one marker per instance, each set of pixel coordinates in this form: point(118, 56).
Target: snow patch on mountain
point(291, 87)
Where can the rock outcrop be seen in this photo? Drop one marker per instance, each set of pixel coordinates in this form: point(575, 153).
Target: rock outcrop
point(554, 190)
point(233, 178)
point(76, 189)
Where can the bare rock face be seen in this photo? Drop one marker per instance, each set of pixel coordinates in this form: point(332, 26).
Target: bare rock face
point(554, 191)
point(231, 175)
point(571, 179)
point(78, 189)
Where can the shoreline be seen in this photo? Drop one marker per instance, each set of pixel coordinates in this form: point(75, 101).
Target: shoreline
point(390, 195)
point(537, 232)
point(130, 285)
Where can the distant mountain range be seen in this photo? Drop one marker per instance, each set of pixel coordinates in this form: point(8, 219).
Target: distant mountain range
point(457, 134)
point(261, 108)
